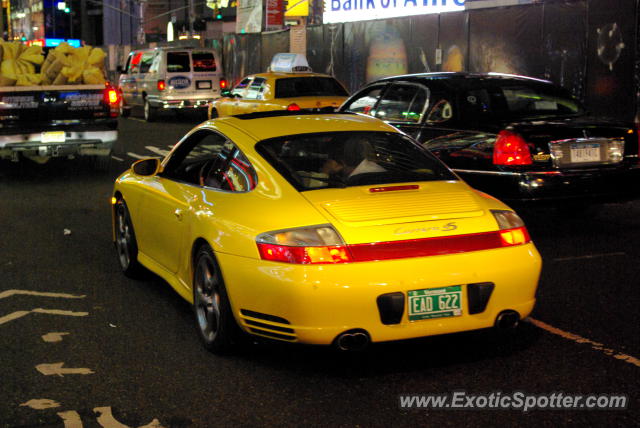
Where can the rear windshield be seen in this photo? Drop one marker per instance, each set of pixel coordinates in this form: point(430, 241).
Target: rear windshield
point(178, 62)
point(515, 99)
point(203, 61)
point(344, 159)
point(292, 87)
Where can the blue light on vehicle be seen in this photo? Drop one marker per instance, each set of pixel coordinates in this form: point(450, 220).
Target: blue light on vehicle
point(52, 43)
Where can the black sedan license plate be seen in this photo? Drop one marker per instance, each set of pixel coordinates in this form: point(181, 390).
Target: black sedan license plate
point(585, 152)
point(435, 303)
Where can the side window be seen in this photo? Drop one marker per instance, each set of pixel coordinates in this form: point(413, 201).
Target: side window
point(135, 63)
point(155, 65)
point(366, 101)
point(255, 89)
point(440, 109)
point(128, 65)
point(240, 87)
point(209, 159)
point(146, 61)
point(403, 103)
point(240, 175)
point(178, 62)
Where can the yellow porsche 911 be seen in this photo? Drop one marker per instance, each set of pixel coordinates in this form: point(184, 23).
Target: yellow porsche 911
point(321, 229)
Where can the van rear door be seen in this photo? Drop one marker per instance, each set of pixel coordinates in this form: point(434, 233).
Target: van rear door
point(193, 74)
point(206, 72)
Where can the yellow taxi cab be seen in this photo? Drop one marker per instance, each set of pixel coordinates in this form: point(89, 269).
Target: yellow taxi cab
point(321, 228)
point(288, 85)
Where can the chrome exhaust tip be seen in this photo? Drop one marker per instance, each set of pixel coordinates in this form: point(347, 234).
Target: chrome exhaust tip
point(507, 320)
point(352, 340)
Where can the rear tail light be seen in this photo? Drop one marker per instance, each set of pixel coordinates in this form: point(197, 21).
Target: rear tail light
point(111, 98)
point(312, 245)
point(615, 150)
point(223, 84)
point(293, 107)
point(323, 244)
point(161, 85)
point(512, 228)
point(511, 149)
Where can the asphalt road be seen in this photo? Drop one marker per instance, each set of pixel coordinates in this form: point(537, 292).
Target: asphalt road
point(131, 356)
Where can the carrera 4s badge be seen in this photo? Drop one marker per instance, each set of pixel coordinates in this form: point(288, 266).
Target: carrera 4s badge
point(444, 228)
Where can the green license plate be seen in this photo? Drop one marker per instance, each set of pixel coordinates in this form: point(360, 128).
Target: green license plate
point(435, 303)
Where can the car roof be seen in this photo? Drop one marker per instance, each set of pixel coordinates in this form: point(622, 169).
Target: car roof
point(279, 75)
point(459, 78)
point(172, 49)
point(265, 125)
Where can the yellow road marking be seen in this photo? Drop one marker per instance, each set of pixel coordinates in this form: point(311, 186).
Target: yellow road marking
point(579, 339)
point(9, 293)
point(19, 314)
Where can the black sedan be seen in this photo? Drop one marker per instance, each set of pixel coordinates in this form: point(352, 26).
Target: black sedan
point(517, 138)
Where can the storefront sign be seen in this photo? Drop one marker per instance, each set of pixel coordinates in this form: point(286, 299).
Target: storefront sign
point(274, 12)
point(361, 10)
point(249, 16)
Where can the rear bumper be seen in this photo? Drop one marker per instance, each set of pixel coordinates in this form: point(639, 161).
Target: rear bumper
point(181, 103)
point(607, 184)
point(314, 304)
point(98, 143)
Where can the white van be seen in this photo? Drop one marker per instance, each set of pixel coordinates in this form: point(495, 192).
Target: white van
point(169, 78)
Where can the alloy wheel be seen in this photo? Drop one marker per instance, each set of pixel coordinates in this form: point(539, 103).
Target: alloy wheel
point(207, 298)
point(123, 238)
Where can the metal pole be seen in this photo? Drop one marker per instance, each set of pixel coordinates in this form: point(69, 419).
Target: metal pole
point(192, 17)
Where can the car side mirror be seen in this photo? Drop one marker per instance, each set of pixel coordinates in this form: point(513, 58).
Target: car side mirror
point(146, 167)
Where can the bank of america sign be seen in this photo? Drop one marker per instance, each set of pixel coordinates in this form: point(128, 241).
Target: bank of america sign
point(362, 10)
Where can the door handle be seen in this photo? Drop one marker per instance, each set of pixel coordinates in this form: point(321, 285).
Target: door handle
point(178, 214)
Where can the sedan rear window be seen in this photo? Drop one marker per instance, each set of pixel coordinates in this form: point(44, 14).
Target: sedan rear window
point(344, 159)
point(292, 87)
point(513, 100)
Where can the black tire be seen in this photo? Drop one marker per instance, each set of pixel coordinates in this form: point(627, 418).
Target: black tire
point(126, 244)
point(150, 112)
point(215, 323)
point(124, 112)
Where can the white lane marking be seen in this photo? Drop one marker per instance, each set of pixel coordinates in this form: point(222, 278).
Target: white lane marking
point(49, 369)
point(53, 337)
point(41, 404)
point(106, 419)
point(135, 156)
point(71, 419)
point(117, 158)
point(9, 293)
point(589, 256)
point(579, 339)
point(157, 150)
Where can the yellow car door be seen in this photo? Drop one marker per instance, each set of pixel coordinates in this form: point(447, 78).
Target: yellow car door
point(163, 217)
